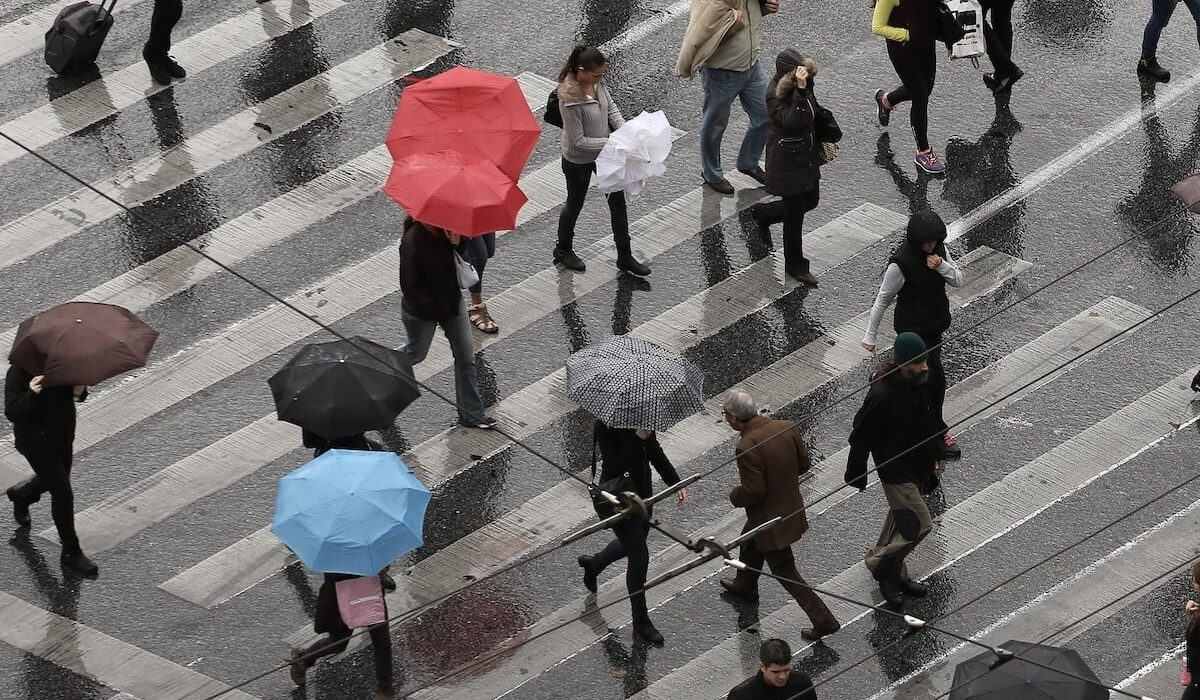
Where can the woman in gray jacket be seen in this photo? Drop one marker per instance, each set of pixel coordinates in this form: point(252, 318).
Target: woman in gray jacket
point(589, 115)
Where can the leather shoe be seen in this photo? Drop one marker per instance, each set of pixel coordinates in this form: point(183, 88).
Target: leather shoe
point(812, 634)
point(757, 174)
point(589, 573)
point(568, 259)
point(892, 593)
point(177, 72)
point(630, 264)
point(297, 669)
point(647, 631)
point(721, 186)
point(159, 72)
point(20, 508)
point(912, 588)
point(736, 591)
point(803, 277)
point(79, 562)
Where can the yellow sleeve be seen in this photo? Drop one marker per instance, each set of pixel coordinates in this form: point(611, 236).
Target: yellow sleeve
point(879, 21)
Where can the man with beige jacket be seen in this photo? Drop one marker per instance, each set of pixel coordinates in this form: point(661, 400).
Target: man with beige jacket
point(722, 44)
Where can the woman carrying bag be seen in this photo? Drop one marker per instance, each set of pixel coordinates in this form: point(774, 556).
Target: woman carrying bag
point(797, 129)
point(629, 453)
point(911, 28)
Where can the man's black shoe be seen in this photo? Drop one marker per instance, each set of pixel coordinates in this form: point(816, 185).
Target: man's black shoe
point(647, 631)
point(912, 588)
point(892, 593)
point(177, 72)
point(589, 573)
point(78, 561)
point(159, 73)
point(630, 264)
point(758, 175)
point(732, 589)
point(568, 259)
point(20, 507)
point(721, 186)
point(803, 277)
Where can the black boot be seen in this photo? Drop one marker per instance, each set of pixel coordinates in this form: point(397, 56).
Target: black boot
point(912, 588)
point(1149, 67)
point(647, 631)
point(79, 562)
point(20, 507)
point(589, 572)
point(893, 594)
point(628, 263)
point(568, 259)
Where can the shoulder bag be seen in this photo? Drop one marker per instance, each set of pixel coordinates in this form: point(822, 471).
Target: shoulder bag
point(360, 601)
point(949, 31)
point(616, 485)
point(552, 115)
point(467, 276)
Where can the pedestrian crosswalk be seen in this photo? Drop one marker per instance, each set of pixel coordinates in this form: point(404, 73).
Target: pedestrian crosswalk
point(215, 578)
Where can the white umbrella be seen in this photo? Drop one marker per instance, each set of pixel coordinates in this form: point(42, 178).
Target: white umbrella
point(633, 153)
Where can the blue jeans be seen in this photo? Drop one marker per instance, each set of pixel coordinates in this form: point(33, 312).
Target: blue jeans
point(458, 331)
point(1159, 16)
point(720, 89)
point(477, 250)
point(630, 543)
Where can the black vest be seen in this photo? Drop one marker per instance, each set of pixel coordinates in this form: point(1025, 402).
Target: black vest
point(922, 305)
point(919, 17)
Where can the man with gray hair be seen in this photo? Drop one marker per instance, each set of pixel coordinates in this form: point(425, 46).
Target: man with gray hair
point(771, 456)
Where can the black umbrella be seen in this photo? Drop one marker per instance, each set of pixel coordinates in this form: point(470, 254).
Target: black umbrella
point(990, 677)
point(344, 387)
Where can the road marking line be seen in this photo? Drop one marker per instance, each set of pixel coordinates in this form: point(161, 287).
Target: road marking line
point(104, 659)
point(221, 143)
point(1159, 678)
point(115, 91)
point(564, 506)
point(1086, 330)
point(644, 29)
point(986, 516)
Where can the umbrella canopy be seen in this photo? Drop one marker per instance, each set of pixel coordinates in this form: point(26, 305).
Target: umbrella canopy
point(81, 343)
point(1188, 191)
point(632, 383)
point(456, 192)
point(351, 511)
point(976, 679)
point(634, 152)
point(344, 387)
point(468, 111)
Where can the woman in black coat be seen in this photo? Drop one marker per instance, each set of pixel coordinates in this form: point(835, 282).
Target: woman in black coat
point(793, 171)
point(630, 451)
point(1192, 660)
point(43, 419)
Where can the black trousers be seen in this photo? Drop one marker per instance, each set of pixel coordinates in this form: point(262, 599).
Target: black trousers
point(998, 35)
point(578, 178)
point(166, 15)
point(630, 543)
point(791, 211)
point(783, 564)
point(1192, 692)
point(53, 476)
point(381, 645)
point(916, 66)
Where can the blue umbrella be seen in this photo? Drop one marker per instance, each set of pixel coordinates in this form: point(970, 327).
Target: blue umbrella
point(351, 511)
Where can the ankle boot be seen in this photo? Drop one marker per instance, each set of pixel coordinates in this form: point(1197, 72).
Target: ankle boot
point(647, 631)
point(20, 507)
point(79, 562)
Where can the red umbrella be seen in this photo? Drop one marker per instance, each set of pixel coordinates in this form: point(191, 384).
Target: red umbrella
point(81, 342)
point(456, 192)
point(469, 111)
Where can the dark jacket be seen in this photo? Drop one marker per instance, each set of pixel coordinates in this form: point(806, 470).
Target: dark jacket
point(894, 417)
point(799, 687)
point(428, 277)
point(771, 456)
point(920, 18)
point(922, 305)
point(320, 445)
point(623, 451)
point(1192, 656)
point(42, 422)
point(792, 166)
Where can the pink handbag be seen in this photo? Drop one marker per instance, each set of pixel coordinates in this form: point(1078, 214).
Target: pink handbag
point(360, 601)
point(1185, 676)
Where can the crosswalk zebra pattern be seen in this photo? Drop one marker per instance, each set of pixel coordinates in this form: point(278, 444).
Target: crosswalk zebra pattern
point(820, 360)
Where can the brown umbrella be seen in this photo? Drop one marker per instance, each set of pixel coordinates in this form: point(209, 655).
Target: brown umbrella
point(1188, 191)
point(81, 343)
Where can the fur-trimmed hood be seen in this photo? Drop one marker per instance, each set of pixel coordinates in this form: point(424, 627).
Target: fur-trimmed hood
point(571, 92)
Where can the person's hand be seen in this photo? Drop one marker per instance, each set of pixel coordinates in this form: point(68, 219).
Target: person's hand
point(801, 76)
point(869, 347)
point(35, 384)
point(682, 495)
point(933, 262)
point(739, 23)
point(1191, 606)
point(770, 7)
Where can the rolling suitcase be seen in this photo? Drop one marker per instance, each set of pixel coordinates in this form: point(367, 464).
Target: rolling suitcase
point(75, 38)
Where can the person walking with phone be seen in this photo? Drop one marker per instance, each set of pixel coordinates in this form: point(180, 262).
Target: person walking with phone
point(1160, 16)
point(910, 27)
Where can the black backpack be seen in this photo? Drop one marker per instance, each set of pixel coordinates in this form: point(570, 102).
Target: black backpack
point(552, 115)
point(78, 32)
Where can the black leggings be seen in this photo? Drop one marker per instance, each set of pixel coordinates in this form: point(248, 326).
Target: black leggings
point(998, 36)
point(791, 211)
point(381, 644)
point(162, 21)
point(53, 477)
point(1192, 692)
point(630, 543)
point(917, 67)
point(579, 176)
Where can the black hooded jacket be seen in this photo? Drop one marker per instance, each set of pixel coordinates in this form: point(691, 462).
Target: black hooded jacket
point(922, 305)
point(792, 166)
point(896, 425)
point(428, 277)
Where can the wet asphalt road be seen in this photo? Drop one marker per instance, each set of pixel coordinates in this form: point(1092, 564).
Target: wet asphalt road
point(1078, 57)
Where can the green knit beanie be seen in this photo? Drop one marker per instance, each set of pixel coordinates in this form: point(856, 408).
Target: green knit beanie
point(908, 347)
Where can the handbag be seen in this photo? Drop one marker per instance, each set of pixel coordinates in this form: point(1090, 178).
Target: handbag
point(827, 151)
point(949, 31)
point(553, 115)
point(616, 485)
point(360, 601)
point(467, 276)
point(826, 127)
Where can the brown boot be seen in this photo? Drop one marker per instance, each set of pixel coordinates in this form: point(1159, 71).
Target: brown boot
point(298, 668)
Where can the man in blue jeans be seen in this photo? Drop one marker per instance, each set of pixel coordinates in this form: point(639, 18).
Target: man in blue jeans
point(1160, 15)
point(722, 43)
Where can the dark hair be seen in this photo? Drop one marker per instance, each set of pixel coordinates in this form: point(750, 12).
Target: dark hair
point(775, 652)
point(586, 57)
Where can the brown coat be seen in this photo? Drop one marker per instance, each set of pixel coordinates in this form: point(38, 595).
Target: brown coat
point(770, 476)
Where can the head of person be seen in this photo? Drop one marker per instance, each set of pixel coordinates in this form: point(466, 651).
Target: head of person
point(775, 662)
point(926, 232)
point(739, 408)
point(911, 357)
point(789, 60)
point(433, 230)
point(587, 64)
